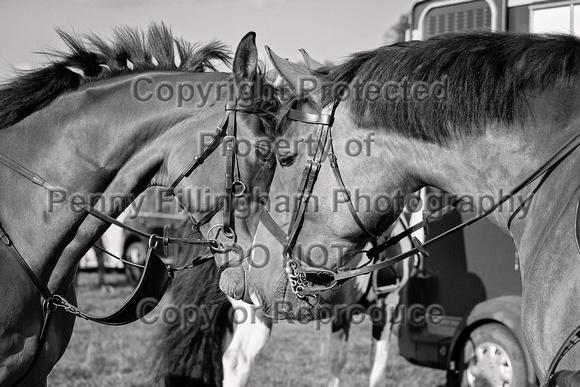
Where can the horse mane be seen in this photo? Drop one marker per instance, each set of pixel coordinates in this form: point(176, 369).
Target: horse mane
point(488, 76)
point(91, 58)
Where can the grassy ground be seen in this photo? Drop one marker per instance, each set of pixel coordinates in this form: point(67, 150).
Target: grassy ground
point(296, 355)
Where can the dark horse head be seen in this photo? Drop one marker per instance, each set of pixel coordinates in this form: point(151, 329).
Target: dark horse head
point(102, 123)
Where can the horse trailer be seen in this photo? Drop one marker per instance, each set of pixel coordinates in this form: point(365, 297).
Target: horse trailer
point(473, 276)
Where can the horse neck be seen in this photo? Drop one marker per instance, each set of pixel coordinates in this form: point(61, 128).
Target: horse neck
point(482, 169)
point(104, 140)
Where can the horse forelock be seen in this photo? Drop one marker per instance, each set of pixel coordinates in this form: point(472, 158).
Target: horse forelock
point(485, 77)
point(91, 58)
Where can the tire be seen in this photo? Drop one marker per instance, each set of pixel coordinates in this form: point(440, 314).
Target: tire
point(492, 357)
point(136, 252)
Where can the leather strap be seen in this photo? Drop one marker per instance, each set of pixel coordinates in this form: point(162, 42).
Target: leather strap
point(379, 248)
point(48, 306)
point(334, 165)
point(47, 309)
point(577, 225)
point(217, 137)
point(151, 288)
point(309, 118)
point(42, 289)
point(570, 342)
point(547, 167)
point(145, 297)
point(200, 159)
point(88, 208)
point(33, 177)
point(230, 143)
point(309, 175)
point(273, 227)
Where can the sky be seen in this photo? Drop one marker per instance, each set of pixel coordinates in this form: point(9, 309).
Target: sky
point(328, 29)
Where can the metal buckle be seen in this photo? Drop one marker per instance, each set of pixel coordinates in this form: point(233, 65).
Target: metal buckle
point(152, 241)
point(230, 234)
point(238, 188)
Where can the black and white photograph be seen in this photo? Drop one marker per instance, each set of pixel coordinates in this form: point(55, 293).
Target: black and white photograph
point(290, 193)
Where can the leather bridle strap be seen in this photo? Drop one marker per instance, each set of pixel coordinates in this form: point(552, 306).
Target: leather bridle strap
point(311, 170)
point(309, 175)
point(230, 143)
point(225, 131)
point(33, 177)
point(36, 179)
point(227, 122)
point(334, 165)
point(309, 118)
point(569, 343)
point(42, 289)
point(200, 159)
point(392, 241)
point(549, 166)
point(48, 304)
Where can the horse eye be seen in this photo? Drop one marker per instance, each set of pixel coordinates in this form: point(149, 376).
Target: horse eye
point(286, 160)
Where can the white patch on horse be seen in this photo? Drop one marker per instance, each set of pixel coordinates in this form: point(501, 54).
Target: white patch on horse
point(362, 281)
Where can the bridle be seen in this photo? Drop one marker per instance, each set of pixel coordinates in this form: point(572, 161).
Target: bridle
point(297, 270)
point(156, 275)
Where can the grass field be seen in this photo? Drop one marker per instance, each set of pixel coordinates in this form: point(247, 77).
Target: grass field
point(296, 355)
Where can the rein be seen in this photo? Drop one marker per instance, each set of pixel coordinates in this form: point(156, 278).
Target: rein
point(297, 269)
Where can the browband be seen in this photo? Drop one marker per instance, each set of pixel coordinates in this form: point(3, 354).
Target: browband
point(309, 118)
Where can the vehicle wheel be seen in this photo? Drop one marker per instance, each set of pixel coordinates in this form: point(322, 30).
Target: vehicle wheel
point(493, 357)
point(137, 253)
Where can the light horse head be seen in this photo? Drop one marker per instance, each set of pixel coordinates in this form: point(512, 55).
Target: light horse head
point(311, 224)
point(491, 118)
point(96, 128)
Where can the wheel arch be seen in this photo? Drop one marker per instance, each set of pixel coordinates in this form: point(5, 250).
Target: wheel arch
point(505, 310)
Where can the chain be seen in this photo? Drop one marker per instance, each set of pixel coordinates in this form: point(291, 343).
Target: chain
point(298, 281)
point(60, 302)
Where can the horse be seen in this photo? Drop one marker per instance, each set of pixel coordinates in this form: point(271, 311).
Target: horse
point(213, 347)
point(96, 127)
point(492, 118)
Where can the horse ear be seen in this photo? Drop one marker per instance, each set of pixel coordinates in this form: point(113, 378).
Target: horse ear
point(245, 64)
point(310, 63)
point(298, 78)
